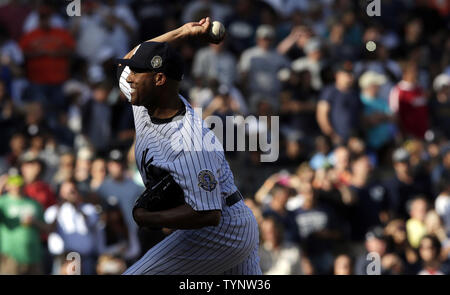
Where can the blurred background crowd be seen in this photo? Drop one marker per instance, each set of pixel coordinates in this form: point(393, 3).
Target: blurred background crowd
point(364, 164)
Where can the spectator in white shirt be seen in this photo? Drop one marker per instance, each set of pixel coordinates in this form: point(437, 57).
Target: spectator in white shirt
point(101, 28)
point(77, 228)
point(312, 62)
point(259, 67)
point(214, 62)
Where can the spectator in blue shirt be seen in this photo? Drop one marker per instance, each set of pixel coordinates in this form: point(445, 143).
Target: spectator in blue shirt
point(377, 114)
point(124, 191)
point(277, 210)
point(339, 108)
point(318, 229)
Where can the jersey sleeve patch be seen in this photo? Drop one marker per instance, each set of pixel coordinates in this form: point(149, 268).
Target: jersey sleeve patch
point(206, 180)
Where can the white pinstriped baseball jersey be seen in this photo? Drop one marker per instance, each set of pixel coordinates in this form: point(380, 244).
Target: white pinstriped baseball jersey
point(194, 157)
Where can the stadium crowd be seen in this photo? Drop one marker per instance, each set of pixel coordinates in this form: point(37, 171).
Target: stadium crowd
point(363, 173)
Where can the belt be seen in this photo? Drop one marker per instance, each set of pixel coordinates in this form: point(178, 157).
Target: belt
point(233, 198)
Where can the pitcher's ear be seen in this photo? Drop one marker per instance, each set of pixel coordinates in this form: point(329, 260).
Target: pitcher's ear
point(159, 79)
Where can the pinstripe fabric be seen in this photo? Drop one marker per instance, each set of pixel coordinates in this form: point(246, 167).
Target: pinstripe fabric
point(230, 248)
point(200, 168)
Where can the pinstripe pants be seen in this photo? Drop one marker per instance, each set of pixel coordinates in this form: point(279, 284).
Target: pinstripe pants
point(229, 248)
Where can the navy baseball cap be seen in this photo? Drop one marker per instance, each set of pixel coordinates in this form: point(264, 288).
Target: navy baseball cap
point(376, 232)
point(344, 66)
point(156, 57)
point(116, 156)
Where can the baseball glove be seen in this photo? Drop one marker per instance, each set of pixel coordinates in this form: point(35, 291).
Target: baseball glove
point(161, 193)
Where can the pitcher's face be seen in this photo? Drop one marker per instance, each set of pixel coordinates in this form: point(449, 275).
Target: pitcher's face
point(142, 87)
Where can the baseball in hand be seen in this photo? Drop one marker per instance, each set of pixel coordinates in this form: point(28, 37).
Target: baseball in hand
point(217, 31)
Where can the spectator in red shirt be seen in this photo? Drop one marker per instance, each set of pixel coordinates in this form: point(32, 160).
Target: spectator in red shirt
point(407, 99)
point(47, 52)
point(31, 169)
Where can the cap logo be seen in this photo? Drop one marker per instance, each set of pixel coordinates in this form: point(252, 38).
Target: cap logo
point(156, 61)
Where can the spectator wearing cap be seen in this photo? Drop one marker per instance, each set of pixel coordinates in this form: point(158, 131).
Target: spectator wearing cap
point(312, 62)
point(114, 228)
point(404, 185)
point(377, 115)
point(440, 104)
point(76, 228)
point(21, 221)
point(259, 66)
point(409, 102)
point(375, 242)
point(119, 186)
point(339, 108)
point(379, 60)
